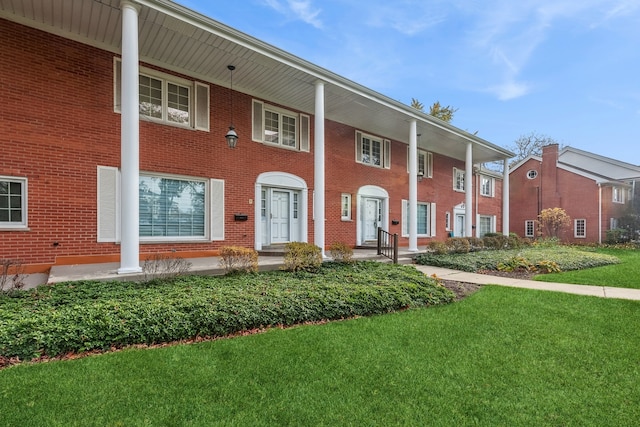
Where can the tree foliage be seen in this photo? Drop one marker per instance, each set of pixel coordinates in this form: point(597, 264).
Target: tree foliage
point(553, 221)
point(529, 145)
point(436, 110)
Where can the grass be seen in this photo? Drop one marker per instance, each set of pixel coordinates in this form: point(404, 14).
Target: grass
point(500, 357)
point(623, 275)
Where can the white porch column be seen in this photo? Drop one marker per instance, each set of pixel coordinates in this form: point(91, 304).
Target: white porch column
point(468, 191)
point(505, 198)
point(413, 186)
point(129, 142)
point(318, 166)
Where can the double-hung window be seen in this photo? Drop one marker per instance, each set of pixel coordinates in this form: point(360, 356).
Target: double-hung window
point(458, 179)
point(373, 151)
point(279, 127)
point(618, 195)
point(486, 186)
point(425, 163)
point(529, 228)
point(580, 228)
point(13, 202)
point(168, 99)
point(486, 224)
point(426, 219)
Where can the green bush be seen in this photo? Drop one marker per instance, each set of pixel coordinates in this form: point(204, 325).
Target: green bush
point(438, 247)
point(516, 263)
point(83, 316)
point(302, 256)
point(238, 259)
point(341, 252)
point(458, 245)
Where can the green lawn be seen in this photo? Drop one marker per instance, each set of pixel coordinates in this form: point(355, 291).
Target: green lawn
point(623, 275)
point(500, 357)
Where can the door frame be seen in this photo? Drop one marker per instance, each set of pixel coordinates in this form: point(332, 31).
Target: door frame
point(371, 192)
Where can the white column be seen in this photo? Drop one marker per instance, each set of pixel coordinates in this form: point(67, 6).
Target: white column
point(468, 191)
point(505, 198)
point(318, 166)
point(129, 142)
point(413, 186)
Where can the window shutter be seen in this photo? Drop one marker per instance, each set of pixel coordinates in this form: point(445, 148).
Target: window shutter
point(429, 166)
point(305, 132)
point(202, 107)
point(217, 209)
point(117, 85)
point(108, 189)
point(432, 226)
point(257, 131)
point(359, 147)
point(405, 218)
point(387, 153)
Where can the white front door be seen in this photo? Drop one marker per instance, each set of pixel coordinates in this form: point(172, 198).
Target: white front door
point(372, 218)
point(459, 226)
point(280, 217)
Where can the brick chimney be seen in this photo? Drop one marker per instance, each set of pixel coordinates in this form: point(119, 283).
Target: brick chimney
point(549, 179)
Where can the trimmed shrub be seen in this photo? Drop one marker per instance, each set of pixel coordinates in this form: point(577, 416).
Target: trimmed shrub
point(340, 252)
point(476, 243)
point(238, 259)
point(164, 266)
point(458, 245)
point(438, 247)
point(302, 256)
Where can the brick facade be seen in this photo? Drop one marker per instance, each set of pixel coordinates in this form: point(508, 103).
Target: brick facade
point(57, 125)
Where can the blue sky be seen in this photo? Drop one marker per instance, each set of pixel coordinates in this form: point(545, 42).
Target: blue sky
point(568, 69)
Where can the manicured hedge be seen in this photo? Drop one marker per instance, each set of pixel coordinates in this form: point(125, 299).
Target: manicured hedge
point(81, 316)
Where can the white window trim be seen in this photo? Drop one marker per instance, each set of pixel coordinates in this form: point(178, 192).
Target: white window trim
point(428, 162)
point(620, 193)
point(109, 210)
point(526, 228)
point(492, 226)
point(303, 126)
point(385, 150)
point(575, 228)
point(457, 171)
point(23, 225)
point(447, 221)
point(431, 217)
point(198, 97)
point(346, 196)
point(492, 186)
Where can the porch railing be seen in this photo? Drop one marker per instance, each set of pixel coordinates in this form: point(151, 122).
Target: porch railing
point(388, 245)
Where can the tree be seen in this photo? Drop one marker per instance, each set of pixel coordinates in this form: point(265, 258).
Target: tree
point(529, 145)
point(436, 110)
point(553, 221)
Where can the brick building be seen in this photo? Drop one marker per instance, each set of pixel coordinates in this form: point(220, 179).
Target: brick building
point(595, 191)
point(113, 125)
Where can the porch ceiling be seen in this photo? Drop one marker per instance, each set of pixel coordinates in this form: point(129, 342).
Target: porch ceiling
point(179, 39)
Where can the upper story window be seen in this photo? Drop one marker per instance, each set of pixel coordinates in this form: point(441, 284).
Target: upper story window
point(373, 151)
point(276, 126)
point(425, 163)
point(487, 185)
point(13, 202)
point(167, 99)
point(458, 179)
point(532, 174)
point(618, 195)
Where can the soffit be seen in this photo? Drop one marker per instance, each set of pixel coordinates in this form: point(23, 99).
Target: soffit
point(181, 40)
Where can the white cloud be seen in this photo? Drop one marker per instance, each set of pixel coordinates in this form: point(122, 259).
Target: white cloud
point(509, 90)
point(297, 9)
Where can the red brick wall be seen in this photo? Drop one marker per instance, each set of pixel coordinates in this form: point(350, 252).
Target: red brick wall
point(57, 125)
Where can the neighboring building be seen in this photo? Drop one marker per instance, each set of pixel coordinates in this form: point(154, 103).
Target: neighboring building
point(595, 191)
point(113, 122)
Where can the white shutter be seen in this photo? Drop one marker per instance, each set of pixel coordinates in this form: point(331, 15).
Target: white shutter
point(117, 85)
point(305, 132)
point(257, 128)
point(432, 212)
point(202, 107)
point(387, 153)
point(429, 160)
point(108, 195)
point(217, 209)
point(405, 218)
point(358, 147)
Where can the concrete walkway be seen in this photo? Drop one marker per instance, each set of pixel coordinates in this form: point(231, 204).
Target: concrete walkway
point(109, 271)
point(485, 279)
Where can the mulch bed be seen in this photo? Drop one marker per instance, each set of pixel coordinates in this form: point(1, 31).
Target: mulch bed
point(464, 289)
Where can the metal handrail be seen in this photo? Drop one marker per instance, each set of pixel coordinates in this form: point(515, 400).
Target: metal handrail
point(388, 245)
